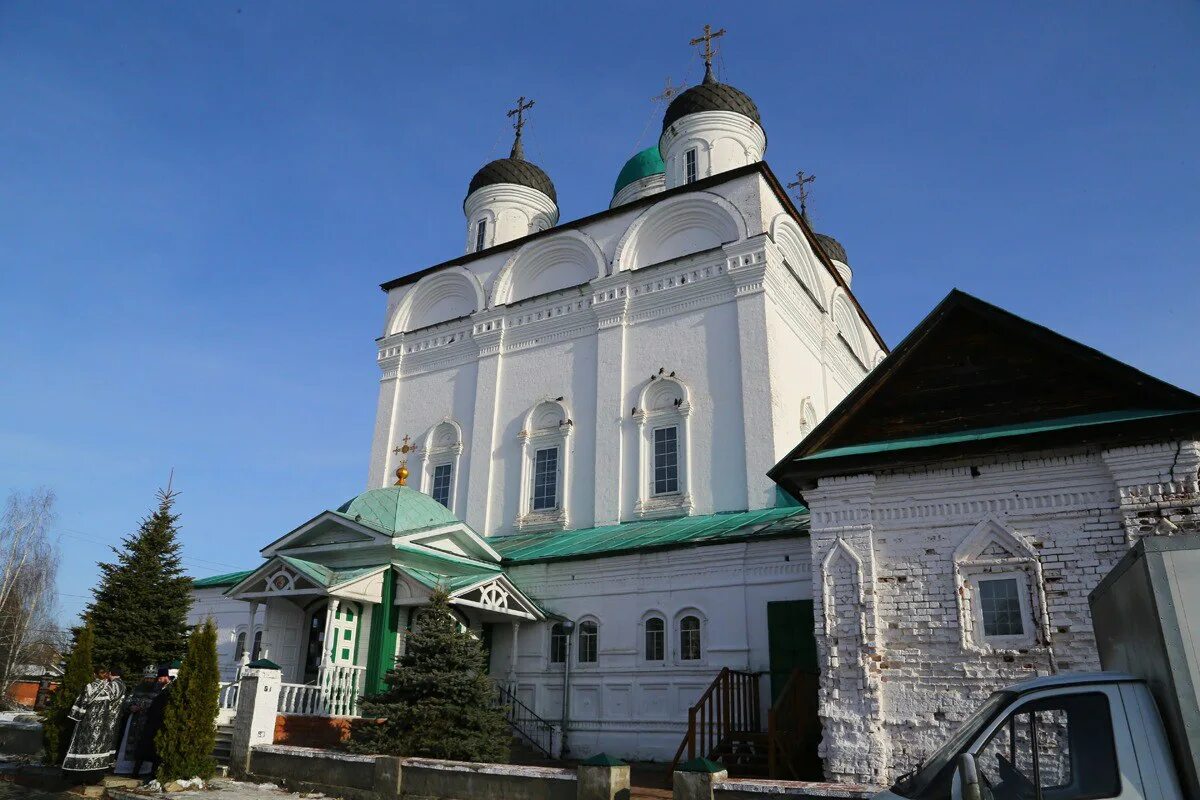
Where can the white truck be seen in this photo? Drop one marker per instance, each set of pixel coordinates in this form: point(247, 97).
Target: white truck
point(1132, 733)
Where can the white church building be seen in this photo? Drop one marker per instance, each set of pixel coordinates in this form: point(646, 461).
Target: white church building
point(591, 422)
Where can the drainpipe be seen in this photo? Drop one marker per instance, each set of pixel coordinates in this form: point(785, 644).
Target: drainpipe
point(569, 629)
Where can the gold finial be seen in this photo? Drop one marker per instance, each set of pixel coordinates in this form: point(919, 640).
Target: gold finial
point(404, 449)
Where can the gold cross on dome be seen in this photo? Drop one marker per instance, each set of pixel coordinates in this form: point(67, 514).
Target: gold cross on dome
point(519, 113)
point(669, 92)
point(707, 39)
point(406, 448)
point(801, 187)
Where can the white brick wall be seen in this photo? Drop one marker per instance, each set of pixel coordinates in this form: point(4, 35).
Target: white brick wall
point(899, 670)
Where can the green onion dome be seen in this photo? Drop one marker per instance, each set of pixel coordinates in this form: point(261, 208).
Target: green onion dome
point(642, 165)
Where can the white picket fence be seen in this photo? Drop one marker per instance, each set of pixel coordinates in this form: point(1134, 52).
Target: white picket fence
point(334, 694)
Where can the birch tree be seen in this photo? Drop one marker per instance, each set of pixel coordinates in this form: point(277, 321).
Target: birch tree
point(28, 569)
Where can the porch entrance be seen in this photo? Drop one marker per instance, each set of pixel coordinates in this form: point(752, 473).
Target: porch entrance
point(342, 645)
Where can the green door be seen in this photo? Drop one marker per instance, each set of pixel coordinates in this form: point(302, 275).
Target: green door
point(790, 641)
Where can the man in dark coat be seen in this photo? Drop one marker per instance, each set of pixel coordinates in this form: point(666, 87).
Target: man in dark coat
point(152, 721)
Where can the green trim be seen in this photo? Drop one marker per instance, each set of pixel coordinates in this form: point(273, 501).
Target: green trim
point(444, 557)
point(701, 765)
point(659, 534)
point(381, 648)
point(226, 579)
point(603, 760)
point(996, 432)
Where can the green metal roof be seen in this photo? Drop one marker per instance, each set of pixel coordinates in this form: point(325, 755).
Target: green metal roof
point(656, 534)
point(646, 163)
point(225, 579)
point(997, 432)
point(452, 583)
point(396, 509)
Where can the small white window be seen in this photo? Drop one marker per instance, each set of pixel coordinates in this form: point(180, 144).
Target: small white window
point(690, 165)
point(480, 234)
point(545, 479)
point(254, 654)
point(666, 460)
point(442, 475)
point(240, 649)
point(1000, 607)
point(656, 633)
point(558, 644)
point(589, 639)
point(689, 639)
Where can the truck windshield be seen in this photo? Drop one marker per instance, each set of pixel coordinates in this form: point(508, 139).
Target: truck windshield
point(932, 776)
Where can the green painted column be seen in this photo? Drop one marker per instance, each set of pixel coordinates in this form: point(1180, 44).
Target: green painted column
point(381, 648)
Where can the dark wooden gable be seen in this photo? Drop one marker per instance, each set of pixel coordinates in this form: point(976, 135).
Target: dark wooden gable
point(971, 365)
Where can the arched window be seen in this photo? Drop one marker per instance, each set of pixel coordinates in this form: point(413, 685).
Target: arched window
point(545, 468)
point(656, 638)
point(240, 649)
point(689, 638)
point(439, 472)
point(257, 649)
point(662, 417)
point(589, 641)
point(558, 644)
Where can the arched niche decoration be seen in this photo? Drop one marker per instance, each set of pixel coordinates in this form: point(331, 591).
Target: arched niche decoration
point(808, 416)
point(799, 256)
point(848, 324)
point(561, 261)
point(677, 227)
point(447, 294)
point(663, 411)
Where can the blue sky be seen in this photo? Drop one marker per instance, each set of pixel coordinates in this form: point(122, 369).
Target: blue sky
point(199, 200)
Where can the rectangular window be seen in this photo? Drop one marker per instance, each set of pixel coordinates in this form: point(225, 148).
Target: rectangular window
point(480, 234)
point(441, 483)
point(690, 159)
point(545, 479)
point(666, 460)
point(1000, 605)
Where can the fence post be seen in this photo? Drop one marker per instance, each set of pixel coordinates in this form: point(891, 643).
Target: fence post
point(254, 723)
point(602, 777)
point(694, 779)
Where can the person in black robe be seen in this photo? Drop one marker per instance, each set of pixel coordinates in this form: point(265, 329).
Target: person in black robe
point(151, 724)
point(96, 713)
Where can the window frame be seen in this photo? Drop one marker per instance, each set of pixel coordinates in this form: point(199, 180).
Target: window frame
point(1028, 628)
point(449, 483)
point(662, 639)
point(691, 165)
point(548, 425)
point(551, 499)
point(654, 454)
point(481, 234)
point(664, 402)
point(558, 644)
point(699, 636)
point(581, 629)
point(443, 446)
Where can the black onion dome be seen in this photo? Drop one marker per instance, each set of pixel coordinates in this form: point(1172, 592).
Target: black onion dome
point(711, 96)
point(833, 248)
point(513, 170)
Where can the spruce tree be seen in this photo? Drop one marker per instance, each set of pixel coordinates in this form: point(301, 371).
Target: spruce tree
point(189, 731)
point(141, 604)
point(439, 700)
point(56, 727)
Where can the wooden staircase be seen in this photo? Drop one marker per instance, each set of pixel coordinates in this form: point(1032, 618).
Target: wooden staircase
point(725, 725)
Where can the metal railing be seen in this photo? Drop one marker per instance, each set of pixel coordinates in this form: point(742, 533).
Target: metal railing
point(538, 732)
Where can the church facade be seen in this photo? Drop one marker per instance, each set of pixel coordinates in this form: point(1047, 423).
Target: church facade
point(584, 414)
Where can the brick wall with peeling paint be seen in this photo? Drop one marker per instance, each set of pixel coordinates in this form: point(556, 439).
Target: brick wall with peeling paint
point(896, 555)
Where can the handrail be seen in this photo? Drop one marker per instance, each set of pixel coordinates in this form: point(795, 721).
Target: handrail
point(729, 705)
point(522, 719)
